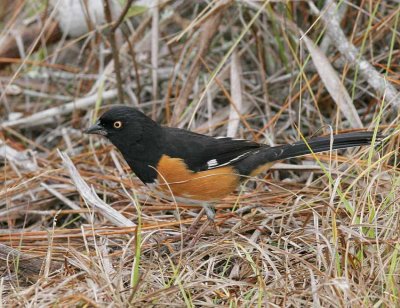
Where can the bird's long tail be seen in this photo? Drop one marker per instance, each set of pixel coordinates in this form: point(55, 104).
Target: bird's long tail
point(264, 159)
point(321, 144)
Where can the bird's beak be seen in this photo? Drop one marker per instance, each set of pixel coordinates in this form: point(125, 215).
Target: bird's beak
point(96, 129)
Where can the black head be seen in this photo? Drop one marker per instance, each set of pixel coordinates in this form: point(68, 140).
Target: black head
point(122, 125)
point(138, 138)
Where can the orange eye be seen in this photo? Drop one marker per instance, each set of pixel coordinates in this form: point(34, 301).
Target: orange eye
point(117, 124)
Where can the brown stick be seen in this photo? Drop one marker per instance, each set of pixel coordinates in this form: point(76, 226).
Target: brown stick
point(28, 34)
point(114, 48)
point(209, 29)
point(122, 16)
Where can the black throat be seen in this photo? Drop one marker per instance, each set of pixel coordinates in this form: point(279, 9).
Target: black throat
point(142, 152)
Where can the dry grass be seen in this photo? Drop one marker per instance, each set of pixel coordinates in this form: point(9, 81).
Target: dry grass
point(323, 234)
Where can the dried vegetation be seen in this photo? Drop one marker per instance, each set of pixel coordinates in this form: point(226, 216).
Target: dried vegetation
point(320, 230)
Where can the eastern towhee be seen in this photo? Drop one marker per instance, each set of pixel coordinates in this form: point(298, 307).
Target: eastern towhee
point(195, 167)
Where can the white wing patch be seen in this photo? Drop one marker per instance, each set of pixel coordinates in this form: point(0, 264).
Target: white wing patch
point(213, 163)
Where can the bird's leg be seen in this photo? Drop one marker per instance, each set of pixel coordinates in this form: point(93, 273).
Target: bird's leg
point(191, 229)
point(201, 230)
point(210, 211)
point(207, 209)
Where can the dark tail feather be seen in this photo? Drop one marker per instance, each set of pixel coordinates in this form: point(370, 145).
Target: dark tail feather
point(321, 144)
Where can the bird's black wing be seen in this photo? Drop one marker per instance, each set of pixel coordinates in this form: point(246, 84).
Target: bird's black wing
point(201, 152)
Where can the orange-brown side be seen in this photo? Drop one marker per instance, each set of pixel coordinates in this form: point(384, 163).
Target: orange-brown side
point(174, 176)
point(262, 168)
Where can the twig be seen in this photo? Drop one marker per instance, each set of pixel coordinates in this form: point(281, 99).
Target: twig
point(91, 197)
point(209, 29)
point(9, 52)
point(333, 84)
point(154, 51)
point(21, 159)
point(352, 54)
point(65, 200)
point(122, 15)
point(37, 118)
point(115, 52)
point(134, 38)
point(236, 94)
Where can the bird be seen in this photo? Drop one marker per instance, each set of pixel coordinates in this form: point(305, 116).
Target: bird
point(196, 168)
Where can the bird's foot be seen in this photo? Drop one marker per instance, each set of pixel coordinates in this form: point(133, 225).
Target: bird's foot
point(210, 212)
